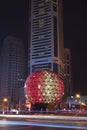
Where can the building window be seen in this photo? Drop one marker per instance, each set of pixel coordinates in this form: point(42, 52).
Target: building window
point(55, 37)
point(41, 54)
point(68, 69)
point(55, 68)
point(54, 0)
point(55, 7)
point(67, 57)
point(41, 36)
point(41, 11)
point(46, 0)
point(41, 23)
point(41, 4)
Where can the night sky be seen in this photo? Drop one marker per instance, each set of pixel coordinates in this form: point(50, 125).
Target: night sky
point(75, 37)
point(14, 21)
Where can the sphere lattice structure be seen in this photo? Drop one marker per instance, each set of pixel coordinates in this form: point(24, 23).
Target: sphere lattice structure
point(44, 87)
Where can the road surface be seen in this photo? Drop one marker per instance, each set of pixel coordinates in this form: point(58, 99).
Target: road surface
point(37, 124)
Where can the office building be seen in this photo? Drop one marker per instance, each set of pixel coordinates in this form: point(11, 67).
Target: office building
point(13, 71)
point(67, 72)
point(46, 46)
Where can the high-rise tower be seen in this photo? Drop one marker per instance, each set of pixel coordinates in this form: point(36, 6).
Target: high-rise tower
point(67, 72)
point(46, 45)
point(13, 70)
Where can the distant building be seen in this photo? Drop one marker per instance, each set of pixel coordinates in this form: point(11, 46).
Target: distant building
point(75, 102)
point(67, 72)
point(0, 66)
point(46, 46)
point(13, 70)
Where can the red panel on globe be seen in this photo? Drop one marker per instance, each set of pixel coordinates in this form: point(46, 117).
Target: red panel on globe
point(44, 87)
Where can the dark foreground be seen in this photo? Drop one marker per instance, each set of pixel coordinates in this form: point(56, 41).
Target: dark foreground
point(37, 128)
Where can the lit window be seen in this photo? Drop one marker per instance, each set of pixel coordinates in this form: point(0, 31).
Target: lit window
point(41, 11)
point(41, 23)
point(41, 36)
point(41, 53)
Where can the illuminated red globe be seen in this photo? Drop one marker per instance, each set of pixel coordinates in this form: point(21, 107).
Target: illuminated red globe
point(44, 87)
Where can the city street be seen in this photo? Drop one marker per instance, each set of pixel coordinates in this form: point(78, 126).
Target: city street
point(43, 124)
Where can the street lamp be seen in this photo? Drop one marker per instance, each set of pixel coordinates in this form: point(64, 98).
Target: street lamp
point(5, 104)
point(5, 100)
point(79, 97)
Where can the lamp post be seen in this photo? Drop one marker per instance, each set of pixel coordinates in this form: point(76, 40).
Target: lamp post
point(79, 97)
point(5, 100)
point(5, 104)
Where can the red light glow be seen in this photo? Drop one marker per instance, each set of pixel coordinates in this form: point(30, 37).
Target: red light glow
point(44, 87)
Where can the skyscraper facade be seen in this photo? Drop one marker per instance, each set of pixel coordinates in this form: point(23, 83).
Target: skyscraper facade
point(68, 72)
point(13, 70)
point(46, 47)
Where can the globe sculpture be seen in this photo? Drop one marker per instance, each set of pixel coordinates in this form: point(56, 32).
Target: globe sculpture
point(44, 87)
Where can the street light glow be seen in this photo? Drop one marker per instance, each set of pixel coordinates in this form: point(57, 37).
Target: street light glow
point(5, 99)
point(78, 95)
